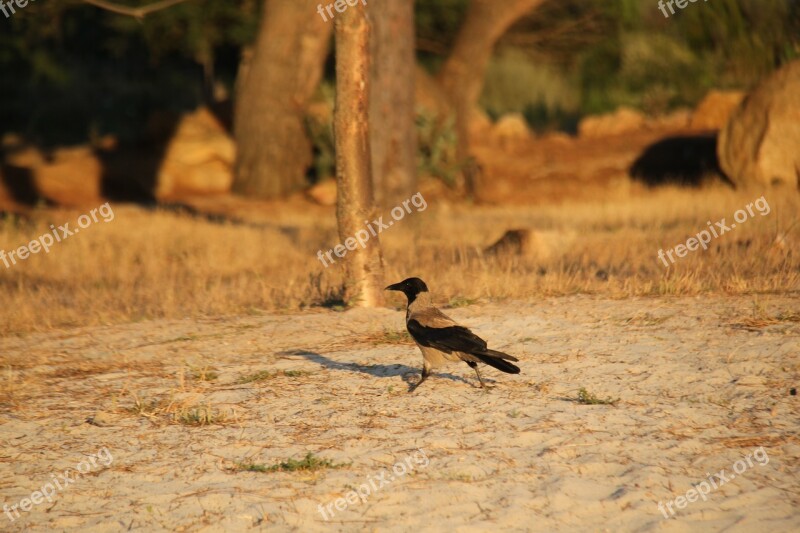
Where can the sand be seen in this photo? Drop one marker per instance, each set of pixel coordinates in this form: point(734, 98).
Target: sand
point(698, 384)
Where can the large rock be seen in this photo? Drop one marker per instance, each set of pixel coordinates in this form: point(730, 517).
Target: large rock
point(65, 176)
point(199, 158)
point(678, 119)
point(538, 245)
point(760, 145)
point(71, 177)
point(714, 110)
point(510, 130)
point(623, 120)
point(324, 192)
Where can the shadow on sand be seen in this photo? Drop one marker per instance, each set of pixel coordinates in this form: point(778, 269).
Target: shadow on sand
point(408, 373)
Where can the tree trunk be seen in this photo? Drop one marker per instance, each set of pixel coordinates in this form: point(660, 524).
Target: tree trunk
point(286, 66)
point(354, 201)
point(393, 131)
point(462, 74)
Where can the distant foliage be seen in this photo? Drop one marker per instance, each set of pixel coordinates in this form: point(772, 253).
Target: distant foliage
point(627, 53)
point(545, 95)
point(437, 148)
point(72, 71)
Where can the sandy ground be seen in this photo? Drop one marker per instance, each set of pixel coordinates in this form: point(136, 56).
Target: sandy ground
point(701, 384)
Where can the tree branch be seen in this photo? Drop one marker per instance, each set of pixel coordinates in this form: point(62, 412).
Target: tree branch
point(135, 12)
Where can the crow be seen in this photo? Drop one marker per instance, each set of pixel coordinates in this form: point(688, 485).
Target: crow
point(441, 339)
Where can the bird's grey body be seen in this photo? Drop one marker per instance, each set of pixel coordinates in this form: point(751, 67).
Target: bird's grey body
point(423, 311)
point(441, 339)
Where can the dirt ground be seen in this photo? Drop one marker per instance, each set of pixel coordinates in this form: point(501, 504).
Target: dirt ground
point(180, 415)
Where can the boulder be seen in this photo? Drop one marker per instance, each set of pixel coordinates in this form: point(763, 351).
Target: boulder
point(760, 145)
point(623, 120)
point(537, 245)
point(324, 192)
point(73, 176)
point(714, 110)
point(479, 123)
point(511, 129)
point(198, 159)
point(678, 119)
point(65, 176)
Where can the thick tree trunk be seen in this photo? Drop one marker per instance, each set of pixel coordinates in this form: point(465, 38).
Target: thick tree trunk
point(273, 148)
point(462, 74)
point(392, 127)
point(354, 202)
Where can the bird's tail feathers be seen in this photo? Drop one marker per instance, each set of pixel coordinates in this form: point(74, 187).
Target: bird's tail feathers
point(500, 355)
point(498, 360)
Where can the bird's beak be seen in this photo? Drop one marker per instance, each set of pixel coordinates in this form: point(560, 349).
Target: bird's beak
point(395, 287)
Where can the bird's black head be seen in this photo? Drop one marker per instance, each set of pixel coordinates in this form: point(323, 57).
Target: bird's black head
point(410, 287)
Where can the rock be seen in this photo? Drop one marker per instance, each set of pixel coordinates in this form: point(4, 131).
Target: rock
point(479, 123)
point(558, 137)
point(324, 192)
point(714, 110)
point(102, 419)
point(623, 120)
point(676, 120)
point(25, 156)
point(65, 176)
point(532, 244)
point(73, 178)
point(760, 145)
point(198, 159)
point(321, 112)
point(511, 129)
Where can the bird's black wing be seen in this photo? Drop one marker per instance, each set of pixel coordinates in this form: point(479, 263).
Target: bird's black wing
point(447, 339)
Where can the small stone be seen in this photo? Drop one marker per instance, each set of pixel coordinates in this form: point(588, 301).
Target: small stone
point(101, 419)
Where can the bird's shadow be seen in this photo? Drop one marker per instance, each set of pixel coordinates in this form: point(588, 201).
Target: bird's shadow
point(379, 371)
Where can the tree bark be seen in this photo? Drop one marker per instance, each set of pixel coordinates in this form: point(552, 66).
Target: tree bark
point(274, 151)
point(354, 201)
point(463, 73)
point(392, 125)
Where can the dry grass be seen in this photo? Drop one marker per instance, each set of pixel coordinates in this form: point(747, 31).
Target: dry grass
point(151, 264)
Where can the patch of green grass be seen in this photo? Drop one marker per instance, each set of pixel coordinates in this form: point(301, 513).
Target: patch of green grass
point(647, 319)
point(461, 301)
point(201, 415)
point(203, 374)
point(587, 398)
point(296, 373)
point(309, 463)
point(146, 408)
point(392, 337)
point(258, 376)
point(264, 375)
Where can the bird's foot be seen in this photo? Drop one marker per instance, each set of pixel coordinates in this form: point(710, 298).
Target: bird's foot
point(418, 383)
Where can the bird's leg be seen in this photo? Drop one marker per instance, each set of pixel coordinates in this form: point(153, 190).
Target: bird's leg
point(425, 374)
point(474, 366)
